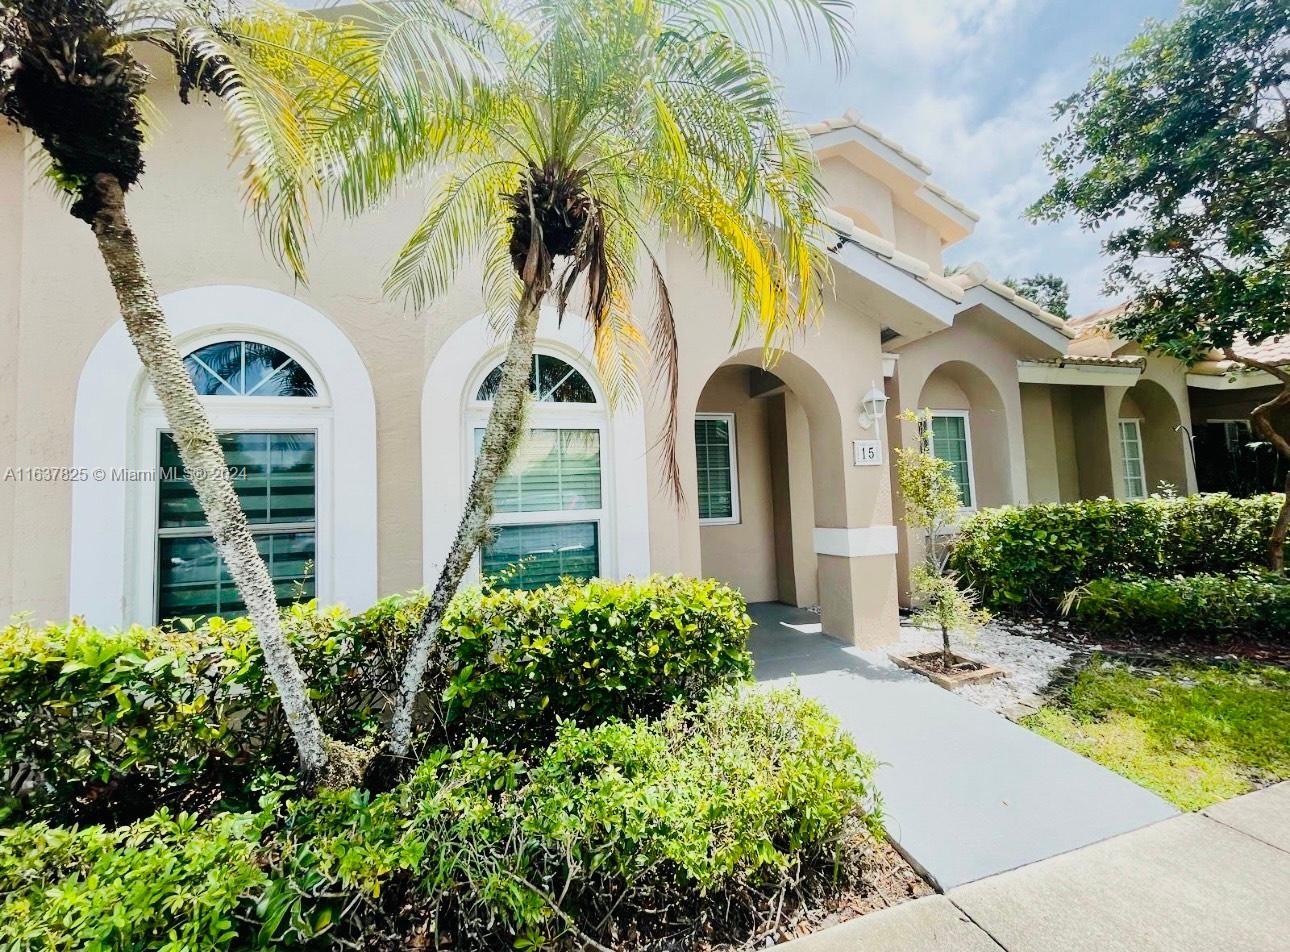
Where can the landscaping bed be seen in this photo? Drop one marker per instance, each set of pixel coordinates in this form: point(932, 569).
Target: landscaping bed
point(592, 770)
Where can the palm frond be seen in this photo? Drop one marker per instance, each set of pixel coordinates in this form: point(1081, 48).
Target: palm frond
point(462, 212)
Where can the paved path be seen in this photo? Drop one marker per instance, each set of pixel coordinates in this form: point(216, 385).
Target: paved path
point(1210, 882)
point(967, 794)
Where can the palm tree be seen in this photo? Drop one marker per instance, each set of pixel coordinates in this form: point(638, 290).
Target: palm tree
point(69, 75)
point(599, 128)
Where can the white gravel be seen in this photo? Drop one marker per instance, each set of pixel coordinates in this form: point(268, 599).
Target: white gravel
point(1030, 664)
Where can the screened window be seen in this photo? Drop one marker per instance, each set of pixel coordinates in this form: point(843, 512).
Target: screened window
point(549, 506)
point(245, 368)
point(1135, 476)
point(714, 444)
point(275, 476)
point(552, 381)
point(950, 442)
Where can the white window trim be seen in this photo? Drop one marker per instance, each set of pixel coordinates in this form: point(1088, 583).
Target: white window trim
point(966, 417)
point(735, 513)
point(113, 566)
point(1142, 457)
point(548, 416)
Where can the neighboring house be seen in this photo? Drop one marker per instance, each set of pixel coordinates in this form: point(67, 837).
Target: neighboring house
point(1219, 396)
point(354, 422)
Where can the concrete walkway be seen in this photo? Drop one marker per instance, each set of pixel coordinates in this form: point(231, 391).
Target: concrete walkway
point(967, 794)
point(1196, 883)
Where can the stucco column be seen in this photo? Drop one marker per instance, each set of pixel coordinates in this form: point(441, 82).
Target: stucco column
point(855, 539)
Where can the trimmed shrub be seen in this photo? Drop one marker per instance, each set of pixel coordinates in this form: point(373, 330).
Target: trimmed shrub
point(522, 661)
point(1199, 605)
point(106, 726)
point(615, 828)
point(1028, 558)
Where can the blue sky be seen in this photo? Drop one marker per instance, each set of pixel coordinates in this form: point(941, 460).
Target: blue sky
point(968, 86)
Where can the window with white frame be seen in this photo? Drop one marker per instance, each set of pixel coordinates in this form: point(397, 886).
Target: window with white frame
point(264, 405)
point(1135, 475)
point(550, 512)
point(950, 439)
point(717, 463)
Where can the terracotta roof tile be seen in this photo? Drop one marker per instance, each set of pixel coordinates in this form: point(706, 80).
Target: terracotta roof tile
point(1082, 360)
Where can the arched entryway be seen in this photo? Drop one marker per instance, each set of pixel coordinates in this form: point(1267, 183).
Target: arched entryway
point(1151, 442)
point(769, 460)
point(970, 429)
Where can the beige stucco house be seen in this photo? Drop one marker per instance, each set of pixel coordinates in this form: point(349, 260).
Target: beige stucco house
point(354, 421)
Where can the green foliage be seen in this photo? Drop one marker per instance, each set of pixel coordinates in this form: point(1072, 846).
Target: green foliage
point(932, 504)
point(944, 604)
point(1049, 291)
point(587, 651)
point(1194, 733)
point(1182, 145)
point(612, 825)
point(105, 726)
point(1255, 605)
point(1028, 558)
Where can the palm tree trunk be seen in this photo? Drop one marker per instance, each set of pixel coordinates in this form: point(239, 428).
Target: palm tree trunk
point(204, 460)
point(502, 435)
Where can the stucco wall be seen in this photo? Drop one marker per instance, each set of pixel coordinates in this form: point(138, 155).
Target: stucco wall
point(743, 554)
point(1043, 469)
point(12, 203)
point(859, 195)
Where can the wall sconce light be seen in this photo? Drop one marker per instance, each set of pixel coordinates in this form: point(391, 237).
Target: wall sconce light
point(873, 407)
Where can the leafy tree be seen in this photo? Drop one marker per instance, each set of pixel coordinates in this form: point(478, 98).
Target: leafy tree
point(1049, 291)
point(932, 505)
point(69, 75)
point(1182, 144)
point(599, 130)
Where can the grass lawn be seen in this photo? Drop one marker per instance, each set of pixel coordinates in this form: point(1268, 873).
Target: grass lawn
point(1193, 733)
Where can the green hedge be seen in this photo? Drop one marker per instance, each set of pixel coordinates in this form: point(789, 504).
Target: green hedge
point(1028, 558)
point(1215, 606)
point(106, 726)
point(623, 823)
point(525, 660)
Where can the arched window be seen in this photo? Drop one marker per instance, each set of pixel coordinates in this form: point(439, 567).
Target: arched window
point(272, 453)
point(553, 381)
point(549, 507)
point(246, 368)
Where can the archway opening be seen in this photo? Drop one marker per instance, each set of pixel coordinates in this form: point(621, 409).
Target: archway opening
point(1152, 448)
point(757, 485)
point(970, 429)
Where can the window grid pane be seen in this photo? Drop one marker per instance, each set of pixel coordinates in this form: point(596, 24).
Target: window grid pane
point(275, 482)
point(716, 478)
point(1135, 481)
point(531, 556)
point(554, 470)
point(552, 381)
point(949, 442)
point(247, 368)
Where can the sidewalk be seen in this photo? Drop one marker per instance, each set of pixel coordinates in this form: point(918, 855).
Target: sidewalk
point(966, 793)
point(1217, 880)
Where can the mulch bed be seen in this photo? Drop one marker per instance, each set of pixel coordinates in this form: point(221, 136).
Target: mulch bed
point(876, 877)
point(1146, 649)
